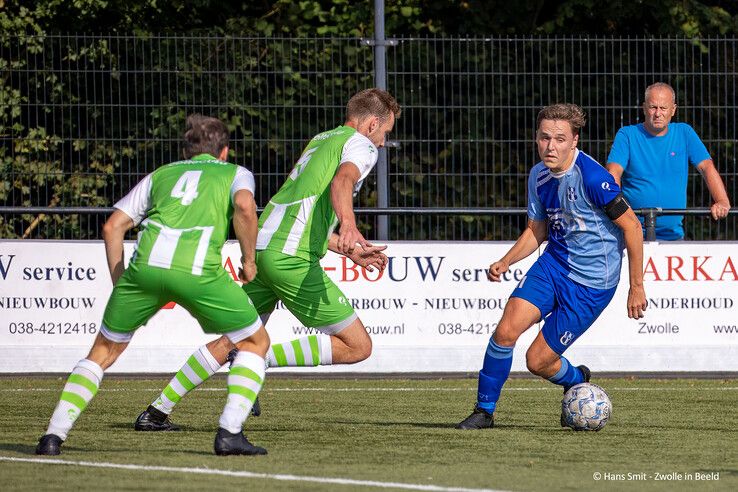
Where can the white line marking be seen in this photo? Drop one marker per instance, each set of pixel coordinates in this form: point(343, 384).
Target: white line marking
point(339, 390)
point(547, 388)
point(246, 474)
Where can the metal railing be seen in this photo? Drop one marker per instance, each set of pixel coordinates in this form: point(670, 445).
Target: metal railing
point(649, 214)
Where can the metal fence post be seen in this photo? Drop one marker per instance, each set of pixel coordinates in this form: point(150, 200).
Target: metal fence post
point(380, 81)
point(649, 222)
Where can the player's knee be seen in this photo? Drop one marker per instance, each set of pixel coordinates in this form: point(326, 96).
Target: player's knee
point(257, 343)
point(363, 350)
point(536, 365)
point(504, 335)
point(105, 352)
point(356, 342)
point(261, 345)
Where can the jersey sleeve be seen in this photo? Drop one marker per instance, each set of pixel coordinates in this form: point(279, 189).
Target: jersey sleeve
point(600, 186)
point(137, 202)
point(359, 151)
point(536, 211)
point(696, 150)
point(620, 151)
point(243, 180)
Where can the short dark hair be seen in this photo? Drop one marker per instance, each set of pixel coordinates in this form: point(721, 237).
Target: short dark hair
point(563, 111)
point(372, 102)
point(204, 135)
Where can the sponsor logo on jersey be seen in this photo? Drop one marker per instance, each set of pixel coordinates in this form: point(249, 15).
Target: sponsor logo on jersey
point(328, 134)
point(571, 194)
point(606, 186)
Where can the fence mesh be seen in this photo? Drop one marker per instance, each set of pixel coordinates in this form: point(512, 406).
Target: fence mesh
point(83, 118)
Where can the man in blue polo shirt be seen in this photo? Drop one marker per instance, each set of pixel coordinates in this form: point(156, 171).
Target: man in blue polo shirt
point(650, 161)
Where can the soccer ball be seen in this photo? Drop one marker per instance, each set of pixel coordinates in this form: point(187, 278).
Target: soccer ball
point(585, 407)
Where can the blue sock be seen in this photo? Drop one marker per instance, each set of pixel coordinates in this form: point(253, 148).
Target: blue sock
point(567, 376)
point(494, 373)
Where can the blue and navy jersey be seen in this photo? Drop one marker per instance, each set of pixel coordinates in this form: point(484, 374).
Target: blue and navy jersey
point(583, 242)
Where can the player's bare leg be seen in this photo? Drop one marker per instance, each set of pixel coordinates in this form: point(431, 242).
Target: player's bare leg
point(352, 344)
point(544, 362)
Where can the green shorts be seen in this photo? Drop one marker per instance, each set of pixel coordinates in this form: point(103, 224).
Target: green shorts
point(213, 299)
point(303, 287)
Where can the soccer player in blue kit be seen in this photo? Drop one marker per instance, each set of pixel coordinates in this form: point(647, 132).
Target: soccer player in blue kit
point(575, 203)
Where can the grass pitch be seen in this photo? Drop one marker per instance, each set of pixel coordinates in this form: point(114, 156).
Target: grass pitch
point(329, 434)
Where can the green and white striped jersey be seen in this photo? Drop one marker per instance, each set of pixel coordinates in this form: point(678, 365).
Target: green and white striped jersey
point(187, 207)
point(299, 218)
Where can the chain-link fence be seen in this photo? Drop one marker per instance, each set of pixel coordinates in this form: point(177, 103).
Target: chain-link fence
point(83, 118)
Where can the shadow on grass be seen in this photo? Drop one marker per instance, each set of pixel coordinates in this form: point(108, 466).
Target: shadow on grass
point(19, 448)
point(122, 426)
point(437, 425)
point(213, 428)
point(183, 428)
point(30, 449)
point(701, 428)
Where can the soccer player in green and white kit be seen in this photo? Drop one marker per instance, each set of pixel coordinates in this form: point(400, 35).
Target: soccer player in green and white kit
point(186, 207)
point(295, 231)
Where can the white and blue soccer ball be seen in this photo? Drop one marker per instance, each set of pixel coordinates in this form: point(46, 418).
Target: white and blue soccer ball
point(586, 407)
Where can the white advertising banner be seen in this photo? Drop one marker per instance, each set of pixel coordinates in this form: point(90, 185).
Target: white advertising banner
point(431, 310)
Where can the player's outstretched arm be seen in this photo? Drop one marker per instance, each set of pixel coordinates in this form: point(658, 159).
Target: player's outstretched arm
point(529, 241)
point(715, 184)
point(342, 198)
point(114, 231)
point(633, 235)
point(245, 225)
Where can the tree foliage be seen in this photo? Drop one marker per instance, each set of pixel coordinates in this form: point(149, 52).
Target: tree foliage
point(690, 18)
point(83, 117)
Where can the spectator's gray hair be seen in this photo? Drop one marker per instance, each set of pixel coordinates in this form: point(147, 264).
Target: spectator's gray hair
point(564, 111)
point(204, 135)
point(659, 85)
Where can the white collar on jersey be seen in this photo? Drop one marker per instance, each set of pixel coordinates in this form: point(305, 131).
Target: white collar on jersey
point(561, 174)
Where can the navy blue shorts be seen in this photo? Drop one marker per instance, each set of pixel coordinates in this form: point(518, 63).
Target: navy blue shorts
point(567, 307)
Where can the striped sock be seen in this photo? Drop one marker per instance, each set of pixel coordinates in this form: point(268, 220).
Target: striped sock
point(494, 373)
point(567, 376)
point(80, 388)
point(198, 368)
point(312, 350)
point(244, 383)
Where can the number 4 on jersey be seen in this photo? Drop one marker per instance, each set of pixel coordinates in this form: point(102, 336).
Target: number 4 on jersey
point(186, 187)
point(302, 163)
